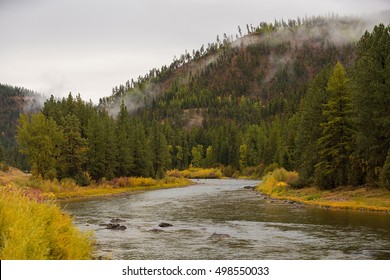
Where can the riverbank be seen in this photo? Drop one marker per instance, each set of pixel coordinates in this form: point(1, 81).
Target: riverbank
point(68, 189)
point(31, 229)
point(277, 185)
point(196, 173)
point(34, 227)
point(111, 190)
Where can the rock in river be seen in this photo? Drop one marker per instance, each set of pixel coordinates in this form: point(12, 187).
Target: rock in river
point(220, 235)
point(163, 224)
point(115, 226)
point(117, 220)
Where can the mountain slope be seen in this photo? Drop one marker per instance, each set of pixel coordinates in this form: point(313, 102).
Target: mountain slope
point(13, 102)
point(269, 66)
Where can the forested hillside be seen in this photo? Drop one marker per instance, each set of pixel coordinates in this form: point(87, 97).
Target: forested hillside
point(308, 94)
point(13, 102)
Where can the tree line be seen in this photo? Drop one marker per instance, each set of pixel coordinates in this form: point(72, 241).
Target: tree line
point(333, 128)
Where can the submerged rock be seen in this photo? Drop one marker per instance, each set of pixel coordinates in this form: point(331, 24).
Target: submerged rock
point(250, 187)
point(115, 226)
point(163, 224)
point(220, 235)
point(156, 230)
point(117, 220)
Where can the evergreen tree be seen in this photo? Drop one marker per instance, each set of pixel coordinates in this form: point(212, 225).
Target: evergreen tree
point(73, 150)
point(371, 100)
point(97, 147)
point(2, 154)
point(141, 152)
point(309, 128)
point(159, 151)
point(111, 146)
point(253, 146)
point(336, 138)
point(385, 173)
point(124, 143)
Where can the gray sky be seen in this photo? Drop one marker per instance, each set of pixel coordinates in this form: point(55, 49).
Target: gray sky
point(90, 46)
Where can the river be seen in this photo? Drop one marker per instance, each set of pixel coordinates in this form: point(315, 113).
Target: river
point(247, 226)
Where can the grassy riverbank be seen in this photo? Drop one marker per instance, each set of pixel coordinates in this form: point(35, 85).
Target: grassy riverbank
point(278, 185)
point(67, 189)
point(33, 228)
point(196, 173)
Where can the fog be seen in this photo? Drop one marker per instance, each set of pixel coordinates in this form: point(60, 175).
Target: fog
point(88, 47)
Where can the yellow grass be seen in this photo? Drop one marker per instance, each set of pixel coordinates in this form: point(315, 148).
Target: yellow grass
point(38, 230)
point(196, 173)
point(277, 185)
point(67, 188)
point(33, 227)
point(106, 189)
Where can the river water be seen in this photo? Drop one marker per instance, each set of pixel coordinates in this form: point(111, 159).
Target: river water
point(246, 226)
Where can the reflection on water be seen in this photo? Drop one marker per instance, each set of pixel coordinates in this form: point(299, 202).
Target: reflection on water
point(250, 226)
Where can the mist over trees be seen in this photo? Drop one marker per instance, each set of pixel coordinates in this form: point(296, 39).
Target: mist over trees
point(285, 94)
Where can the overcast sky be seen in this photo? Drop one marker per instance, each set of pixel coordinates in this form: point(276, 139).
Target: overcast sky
point(90, 46)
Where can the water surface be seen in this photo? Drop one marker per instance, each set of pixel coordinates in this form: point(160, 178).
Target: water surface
point(257, 228)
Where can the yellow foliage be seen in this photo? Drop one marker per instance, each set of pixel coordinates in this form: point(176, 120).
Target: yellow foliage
point(33, 230)
point(276, 185)
point(195, 173)
point(277, 181)
point(134, 182)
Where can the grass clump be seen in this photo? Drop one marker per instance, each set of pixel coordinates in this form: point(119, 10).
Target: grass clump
point(38, 230)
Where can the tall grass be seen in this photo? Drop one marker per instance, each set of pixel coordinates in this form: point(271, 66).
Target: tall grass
point(195, 173)
point(38, 230)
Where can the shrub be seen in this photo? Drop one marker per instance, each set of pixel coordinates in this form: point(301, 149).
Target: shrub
point(33, 230)
point(124, 182)
point(5, 167)
point(195, 173)
point(278, 181)
point(269, 168)
point(83, 179)
point(228, 171)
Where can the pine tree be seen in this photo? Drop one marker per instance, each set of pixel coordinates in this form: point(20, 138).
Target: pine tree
point(371, 100)
point(309, 129)
point(2, 154)
point(253, 145)
point(159, 150)
point(111, 146)
point(73, 149)
point(141, 152)
point(385, 173)
point(96, 148)
point(336, 138)
point(124, 143)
